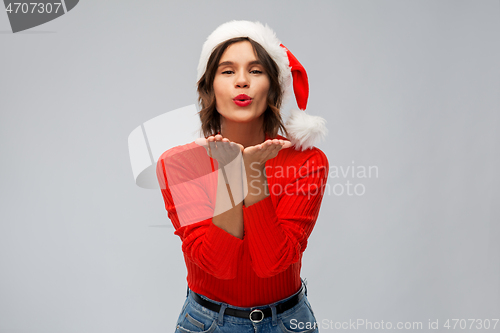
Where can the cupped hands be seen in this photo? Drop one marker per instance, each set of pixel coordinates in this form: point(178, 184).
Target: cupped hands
point(225, 151)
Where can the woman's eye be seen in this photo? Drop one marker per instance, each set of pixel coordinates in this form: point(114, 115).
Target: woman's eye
point(256, 71)
point(227, 72)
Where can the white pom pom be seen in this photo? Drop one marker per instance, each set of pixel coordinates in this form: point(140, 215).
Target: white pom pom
point(305, 130)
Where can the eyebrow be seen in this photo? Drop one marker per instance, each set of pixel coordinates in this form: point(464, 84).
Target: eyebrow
point(228, 63)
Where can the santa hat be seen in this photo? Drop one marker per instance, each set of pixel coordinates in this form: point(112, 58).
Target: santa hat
point(305, 130)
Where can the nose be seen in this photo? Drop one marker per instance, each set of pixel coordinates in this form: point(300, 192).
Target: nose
point(241, 79)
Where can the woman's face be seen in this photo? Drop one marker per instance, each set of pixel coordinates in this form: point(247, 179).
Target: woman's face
point(240, 84)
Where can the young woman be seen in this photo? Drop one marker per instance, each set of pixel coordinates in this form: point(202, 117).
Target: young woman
point(244, 199)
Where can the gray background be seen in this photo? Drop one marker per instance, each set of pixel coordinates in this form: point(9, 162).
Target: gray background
point(411, 87)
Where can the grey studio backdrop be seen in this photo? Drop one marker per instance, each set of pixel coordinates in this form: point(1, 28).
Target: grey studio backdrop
point(409, 88)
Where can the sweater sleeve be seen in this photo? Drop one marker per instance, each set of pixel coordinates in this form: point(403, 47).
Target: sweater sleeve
point(190, 207)
point(277, 235)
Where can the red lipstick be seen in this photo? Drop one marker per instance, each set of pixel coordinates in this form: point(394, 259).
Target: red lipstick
point(242, 100)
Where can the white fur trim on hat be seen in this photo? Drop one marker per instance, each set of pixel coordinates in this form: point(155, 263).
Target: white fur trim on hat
point(305, 130)
point(263, 35)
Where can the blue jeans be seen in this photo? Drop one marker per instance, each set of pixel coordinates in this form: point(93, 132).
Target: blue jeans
point(196, 318)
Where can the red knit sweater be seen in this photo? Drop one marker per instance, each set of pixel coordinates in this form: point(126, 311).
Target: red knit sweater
point(264, 266)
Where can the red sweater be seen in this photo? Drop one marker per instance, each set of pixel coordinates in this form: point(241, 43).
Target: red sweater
point(264, 266)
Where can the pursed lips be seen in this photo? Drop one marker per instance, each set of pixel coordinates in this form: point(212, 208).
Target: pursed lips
point(242, 100)
point(242, 97)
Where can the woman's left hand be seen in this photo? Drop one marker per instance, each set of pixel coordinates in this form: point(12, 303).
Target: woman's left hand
point(263, 152)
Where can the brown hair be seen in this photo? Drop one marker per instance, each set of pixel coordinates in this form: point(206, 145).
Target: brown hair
point(211, 119)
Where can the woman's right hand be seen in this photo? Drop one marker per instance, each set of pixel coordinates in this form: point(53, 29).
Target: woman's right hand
point(221, 149)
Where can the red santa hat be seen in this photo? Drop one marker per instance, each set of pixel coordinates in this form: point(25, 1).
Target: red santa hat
point(305, 130)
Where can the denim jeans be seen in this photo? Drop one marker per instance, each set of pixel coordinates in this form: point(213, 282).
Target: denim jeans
point(196, 318)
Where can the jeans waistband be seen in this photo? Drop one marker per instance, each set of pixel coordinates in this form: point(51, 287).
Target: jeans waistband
point(221, 316)
point(303, 286)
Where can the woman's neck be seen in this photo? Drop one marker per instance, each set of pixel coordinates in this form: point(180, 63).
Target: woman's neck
point(246, 134)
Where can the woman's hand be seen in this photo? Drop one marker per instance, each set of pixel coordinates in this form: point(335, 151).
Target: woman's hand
point(263, 152)
point(221, 149)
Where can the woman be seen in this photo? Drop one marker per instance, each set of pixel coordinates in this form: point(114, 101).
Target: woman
point(242, 200)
